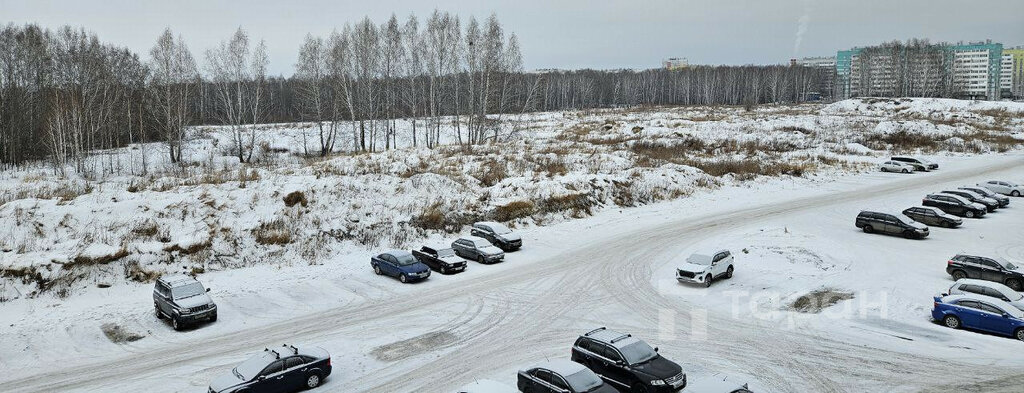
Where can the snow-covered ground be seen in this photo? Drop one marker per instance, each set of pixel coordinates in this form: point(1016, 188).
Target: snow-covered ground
point(790, 235)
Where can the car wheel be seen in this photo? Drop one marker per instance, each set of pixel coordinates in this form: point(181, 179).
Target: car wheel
point(1015, 193)
point(403, 278)
point(480, 259)
point(707, 281)
point(158, 314)
point(639, 387)
point(177, 325)
point(944, 224)
point(728, 272)
point(443, 270)
point(906, 171)
point(312, 380)
point(969, 214)
point(376, 269)
point(884, 170)
point(1020, 334)
point(908, 234)
point(1014, 284)
point(959, 275)
point(213, 318)
point(951, 322)
point(869, 229)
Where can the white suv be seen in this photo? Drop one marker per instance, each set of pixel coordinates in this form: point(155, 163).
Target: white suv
point(1004, 187)
point(996, 290)
point(703, 268)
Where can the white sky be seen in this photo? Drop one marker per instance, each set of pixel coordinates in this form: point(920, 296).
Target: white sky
point(557, 34)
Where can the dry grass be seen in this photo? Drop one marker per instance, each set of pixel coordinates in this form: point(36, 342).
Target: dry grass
point(98, 260)
point(274, 232)
point(514, 210)
point(901, 141)
point(492, 172)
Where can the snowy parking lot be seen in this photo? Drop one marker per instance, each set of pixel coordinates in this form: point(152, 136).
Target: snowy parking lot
point(613, 269)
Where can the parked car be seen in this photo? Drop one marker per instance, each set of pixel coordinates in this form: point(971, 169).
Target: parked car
point(996, 290)
point(486, 386)
point(498, 234)
point(285, 369)
point(717, 384)
point(183, 300)
point(627, 362)
point(954, 204)
point(990, 204)
point(703, 268)
point(561, 376)
point(401, 264)
point(984, 268)
point(891, 224)
point(979, 313)
point(1004, 187)
point(932, 216)
point(919, 164)
point(1002, 199)
point(439, 259)
point(477, 249)
point(896, 166)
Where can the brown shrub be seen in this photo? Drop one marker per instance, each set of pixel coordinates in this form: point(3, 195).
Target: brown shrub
point(901, 141)
point(191, 249)
point(578, 204)
point(295, 198)
point(493, 172)
point(514, 210)
point(100, 260)
point(274, 232)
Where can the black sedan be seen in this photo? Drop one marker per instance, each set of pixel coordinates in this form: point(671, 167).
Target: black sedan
point(933, 216)
point(285, 369)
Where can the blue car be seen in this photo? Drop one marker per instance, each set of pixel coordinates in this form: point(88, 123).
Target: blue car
point(979, 313)
point(400, 264)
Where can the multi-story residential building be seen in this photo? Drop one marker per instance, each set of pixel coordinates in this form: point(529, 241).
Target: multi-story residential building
point(676, 63)
point(1015, 78)
point(972, 70)
point(977, 69)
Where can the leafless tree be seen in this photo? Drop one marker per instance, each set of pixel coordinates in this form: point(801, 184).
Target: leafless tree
point(238, 77)
point(173, 74)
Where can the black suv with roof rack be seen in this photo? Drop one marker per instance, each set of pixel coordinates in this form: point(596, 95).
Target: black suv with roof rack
point(183, 300)
point(988, 269)
point(627, 362)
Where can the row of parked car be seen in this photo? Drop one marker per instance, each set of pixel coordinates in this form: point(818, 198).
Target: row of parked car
point(985, 297)
point(942, 209)
point(487, 243)
point(607, 361)
point(905, 164)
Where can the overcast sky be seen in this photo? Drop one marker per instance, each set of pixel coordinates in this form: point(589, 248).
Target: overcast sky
point(558, 33)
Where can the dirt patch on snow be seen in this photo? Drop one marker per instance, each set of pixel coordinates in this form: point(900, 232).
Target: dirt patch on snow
point(820, 299)
point(119, 335)
point(414, 346)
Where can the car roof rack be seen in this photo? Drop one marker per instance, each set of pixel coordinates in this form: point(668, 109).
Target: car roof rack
point(276, 355)
point(620, 338)
point(595, 330)
point(295, 350)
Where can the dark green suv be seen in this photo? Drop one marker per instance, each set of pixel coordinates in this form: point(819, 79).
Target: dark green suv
point(183, 300)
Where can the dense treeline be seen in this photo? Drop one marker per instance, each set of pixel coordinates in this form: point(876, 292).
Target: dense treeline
point(65, 95)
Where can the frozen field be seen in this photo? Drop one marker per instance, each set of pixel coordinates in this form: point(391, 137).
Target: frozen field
point(791, 234)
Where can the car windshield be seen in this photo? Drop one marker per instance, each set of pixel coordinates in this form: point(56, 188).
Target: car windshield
point(1007, 264)
point(189, 290)
point(583, 381)
point(699, 259)
point(500, 229)
point(405, 259)
point(249, 368)
point(638, 352)
point(445, 252)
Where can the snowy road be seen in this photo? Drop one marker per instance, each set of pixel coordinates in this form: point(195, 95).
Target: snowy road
point(444, 335)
